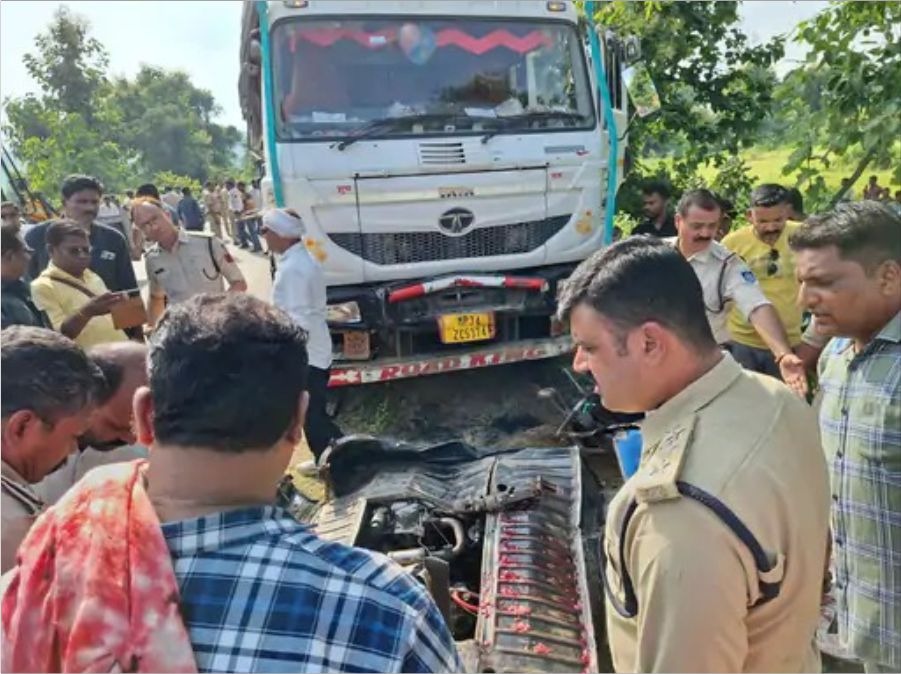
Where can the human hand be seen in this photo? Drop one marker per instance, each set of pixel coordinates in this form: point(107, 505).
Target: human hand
point(102, 304)
point(794, 374)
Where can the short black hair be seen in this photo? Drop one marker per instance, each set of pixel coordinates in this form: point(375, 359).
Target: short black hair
point(226, 373)
point(701, 198)
point(79, 183)
point(660, 187)
point(148, 190)
point(10, 240)
point(637, 280)
point(113, 359)
point(795, 199)
point(113, 372)
point(769, 194)
point(186, 191)
point(868, 232)
point(45, 372)
point(59, 230)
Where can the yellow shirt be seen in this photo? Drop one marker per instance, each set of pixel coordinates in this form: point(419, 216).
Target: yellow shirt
point(61, 301)
point(776, 274)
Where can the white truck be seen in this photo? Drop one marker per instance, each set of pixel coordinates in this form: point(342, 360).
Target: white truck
point(452, 161)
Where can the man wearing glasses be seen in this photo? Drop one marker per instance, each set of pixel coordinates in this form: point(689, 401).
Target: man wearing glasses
point(727, 281)
point(181, 264)
point(764, 248)
point(75, 299)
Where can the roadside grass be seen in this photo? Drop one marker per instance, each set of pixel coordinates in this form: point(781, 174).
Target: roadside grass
point(767, 165)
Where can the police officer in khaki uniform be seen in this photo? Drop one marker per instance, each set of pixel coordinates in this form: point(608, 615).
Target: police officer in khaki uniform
point(715, 550)
point(48, 390)
point(725, 279)
point(182, 264)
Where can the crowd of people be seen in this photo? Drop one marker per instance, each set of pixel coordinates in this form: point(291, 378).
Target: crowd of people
point(141, 453)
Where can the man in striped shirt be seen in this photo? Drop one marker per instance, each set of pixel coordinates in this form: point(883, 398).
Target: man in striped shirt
point(849, 267)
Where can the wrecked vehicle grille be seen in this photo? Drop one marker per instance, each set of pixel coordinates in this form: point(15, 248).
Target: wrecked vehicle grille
point(518, 582)
point(405, 247)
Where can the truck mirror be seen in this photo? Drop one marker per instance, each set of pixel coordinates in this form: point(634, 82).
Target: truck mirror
point(631, 50)
point(642, 91)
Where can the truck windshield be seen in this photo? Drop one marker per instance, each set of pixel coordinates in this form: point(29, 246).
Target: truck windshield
point(339, 77)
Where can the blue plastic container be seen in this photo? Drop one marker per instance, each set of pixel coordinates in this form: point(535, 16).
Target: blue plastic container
point(628, 451)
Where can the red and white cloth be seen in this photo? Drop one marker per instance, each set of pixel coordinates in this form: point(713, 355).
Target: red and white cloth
point(93, 589)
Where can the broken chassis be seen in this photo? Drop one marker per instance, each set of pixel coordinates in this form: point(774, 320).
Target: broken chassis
point(538, 516)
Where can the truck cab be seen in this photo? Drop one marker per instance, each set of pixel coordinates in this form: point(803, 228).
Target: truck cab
point(449, 161)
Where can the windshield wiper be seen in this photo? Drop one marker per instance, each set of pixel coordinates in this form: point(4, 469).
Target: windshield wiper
point(389, 123)
point(511, 120)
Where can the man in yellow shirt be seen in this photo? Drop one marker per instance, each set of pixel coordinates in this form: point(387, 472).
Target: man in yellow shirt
point(764, 248)
point(75, 299)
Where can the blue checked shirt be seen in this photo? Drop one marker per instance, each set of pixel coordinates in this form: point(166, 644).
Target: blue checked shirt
point(261, 592)
point(860, 421)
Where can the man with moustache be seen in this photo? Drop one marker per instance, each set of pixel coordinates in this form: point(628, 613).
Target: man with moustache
point(849, 268)
point(714, 551)
point(764, 248)
point(110, 436)
point(727, 280)
point(49, 388)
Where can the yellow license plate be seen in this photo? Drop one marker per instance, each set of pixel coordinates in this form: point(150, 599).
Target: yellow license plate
point(459, 328)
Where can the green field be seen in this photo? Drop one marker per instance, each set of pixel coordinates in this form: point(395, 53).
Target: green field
point(767, 165)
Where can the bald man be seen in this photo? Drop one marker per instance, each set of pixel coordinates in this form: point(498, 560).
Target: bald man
point(110, 436)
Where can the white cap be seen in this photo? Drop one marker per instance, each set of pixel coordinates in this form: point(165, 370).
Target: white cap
point(284, 224)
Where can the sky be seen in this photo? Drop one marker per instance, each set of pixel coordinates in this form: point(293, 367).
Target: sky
point(202, 38)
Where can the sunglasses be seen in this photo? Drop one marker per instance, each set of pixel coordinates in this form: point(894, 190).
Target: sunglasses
point(772, 266)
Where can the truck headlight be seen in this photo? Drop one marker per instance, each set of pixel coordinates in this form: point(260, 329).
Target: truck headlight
point(344, 313)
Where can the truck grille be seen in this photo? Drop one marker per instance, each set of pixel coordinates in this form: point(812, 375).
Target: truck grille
point(406, 247)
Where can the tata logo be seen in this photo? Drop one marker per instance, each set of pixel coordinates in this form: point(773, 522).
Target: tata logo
point(456, 192)
point(456, 220)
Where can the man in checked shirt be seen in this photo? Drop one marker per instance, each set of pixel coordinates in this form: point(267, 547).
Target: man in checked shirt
point(849, 267)
point(257, 590)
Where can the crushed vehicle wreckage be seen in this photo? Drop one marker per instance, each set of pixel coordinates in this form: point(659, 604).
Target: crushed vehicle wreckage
point(506, 541)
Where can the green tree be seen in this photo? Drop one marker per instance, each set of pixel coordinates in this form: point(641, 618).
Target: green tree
point(715, 88)
point(168, 179)
point(124, 130)
point(71, 146)
point(168, 121)
point(854, 66)
point(69, 65)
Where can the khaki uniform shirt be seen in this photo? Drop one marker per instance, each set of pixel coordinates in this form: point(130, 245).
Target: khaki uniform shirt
point(20, 506)
point(725, 279)
point(190, 267)
point(749, 442)
point(212, 201)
